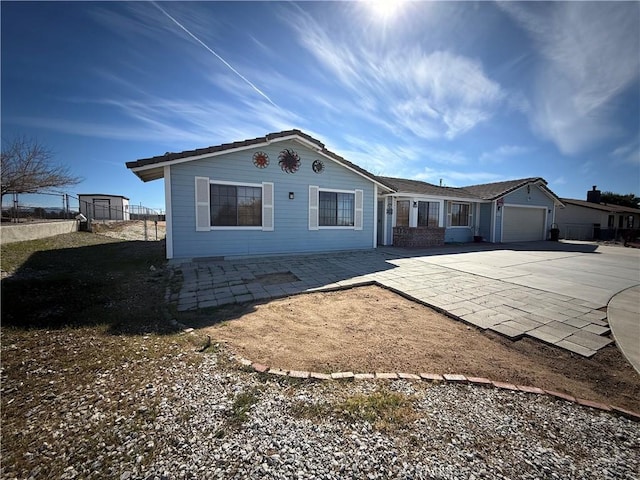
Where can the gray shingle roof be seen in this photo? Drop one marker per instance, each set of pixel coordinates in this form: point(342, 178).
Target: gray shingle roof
point(402, 185)
point(605, 207)
point(173, 156)
point(492, 191)
point(151, 169)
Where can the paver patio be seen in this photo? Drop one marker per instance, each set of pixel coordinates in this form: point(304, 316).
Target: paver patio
point(516, 290)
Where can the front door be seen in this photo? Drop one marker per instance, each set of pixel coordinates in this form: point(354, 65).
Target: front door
point(380, 231)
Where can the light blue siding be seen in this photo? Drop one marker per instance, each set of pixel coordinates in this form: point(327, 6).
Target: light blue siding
point(535, 197)
point(458, 235)
point(291, 217)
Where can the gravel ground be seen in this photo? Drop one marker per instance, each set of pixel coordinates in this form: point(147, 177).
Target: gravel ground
point(210, 418)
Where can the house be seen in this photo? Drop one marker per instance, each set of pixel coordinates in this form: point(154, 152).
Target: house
point(98, 206)
point(277, 194)
point(594, 220)
point(286, 193)
point(512, 211)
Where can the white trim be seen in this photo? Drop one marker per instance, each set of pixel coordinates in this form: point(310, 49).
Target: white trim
point(433, 200)
point(238, 227)
point(469, 216)
point(167, 213)
point(337, 227)
point(523, 206)
point(321, 189)
point(227, 227)
point(544, 229)
point(239, 184)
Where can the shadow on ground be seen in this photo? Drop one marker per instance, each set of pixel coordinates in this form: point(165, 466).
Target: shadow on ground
point(113, 283)
point(546, 246)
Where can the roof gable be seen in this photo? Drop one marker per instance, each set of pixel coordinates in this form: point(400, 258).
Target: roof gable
point(493, 191)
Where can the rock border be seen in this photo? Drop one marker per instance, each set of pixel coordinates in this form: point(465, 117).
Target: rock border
point(437, 378)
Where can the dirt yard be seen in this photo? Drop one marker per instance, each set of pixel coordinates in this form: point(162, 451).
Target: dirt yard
point(370, 329)
point(131, 230)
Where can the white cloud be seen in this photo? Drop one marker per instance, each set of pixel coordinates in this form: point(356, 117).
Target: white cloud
point(559, 181)
point(175, 123)
point(628, 153)
point(502, 153)
point(589, 56)
point(433, 95)
point(454, 178)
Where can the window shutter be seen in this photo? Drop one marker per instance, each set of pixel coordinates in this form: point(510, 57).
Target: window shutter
point(313, 207)
point(471, 205)
point(203, 212)
point(267, 207)
point(448, 214)
point(358, 219)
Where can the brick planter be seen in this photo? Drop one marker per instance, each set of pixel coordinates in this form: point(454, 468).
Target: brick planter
point(418, 236)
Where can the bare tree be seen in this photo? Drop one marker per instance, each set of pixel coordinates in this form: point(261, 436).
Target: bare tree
point(27, 167)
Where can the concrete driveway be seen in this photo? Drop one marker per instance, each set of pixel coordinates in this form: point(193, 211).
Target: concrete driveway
point(556, 292)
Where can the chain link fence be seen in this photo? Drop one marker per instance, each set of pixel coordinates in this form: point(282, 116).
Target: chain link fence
point(19, 208)
point(95, 212)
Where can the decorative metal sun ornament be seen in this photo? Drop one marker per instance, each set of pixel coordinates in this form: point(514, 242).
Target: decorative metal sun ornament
point(289, 161)
point(317, 166)
point(261, 160)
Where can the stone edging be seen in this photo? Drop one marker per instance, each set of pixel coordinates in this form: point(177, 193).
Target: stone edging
point(437, 378)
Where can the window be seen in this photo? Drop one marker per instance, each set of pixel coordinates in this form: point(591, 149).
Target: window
point(630, 221)
point(336, 209)
point(428, 214)
point(460, 214)
point(612, 221)
point(402, 214)
point(235, 206)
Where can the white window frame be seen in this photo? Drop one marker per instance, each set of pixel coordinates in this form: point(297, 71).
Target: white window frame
point(338, 227)
point(237, 184)
point(450, 214)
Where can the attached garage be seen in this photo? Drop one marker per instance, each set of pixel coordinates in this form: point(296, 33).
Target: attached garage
point(523, 224)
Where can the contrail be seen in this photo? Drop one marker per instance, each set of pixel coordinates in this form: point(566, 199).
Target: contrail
point(248, 82)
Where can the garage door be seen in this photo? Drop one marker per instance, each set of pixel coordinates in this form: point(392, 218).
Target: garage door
point(522, 224)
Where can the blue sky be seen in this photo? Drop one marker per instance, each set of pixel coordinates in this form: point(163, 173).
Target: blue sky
point(464, 92)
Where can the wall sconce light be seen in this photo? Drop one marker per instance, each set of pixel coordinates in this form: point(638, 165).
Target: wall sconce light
point(499, 207)
point(549, 211)
point(415, 204)
point(291, 195)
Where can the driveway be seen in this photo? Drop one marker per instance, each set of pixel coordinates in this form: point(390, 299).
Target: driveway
point(556, 292)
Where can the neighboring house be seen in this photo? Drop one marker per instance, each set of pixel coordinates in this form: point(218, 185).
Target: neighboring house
point(594, 220)
point(286, 193)
point(512, 211)
point(97, 206)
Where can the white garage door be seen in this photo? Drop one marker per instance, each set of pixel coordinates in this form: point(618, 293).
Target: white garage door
point(522, 224)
